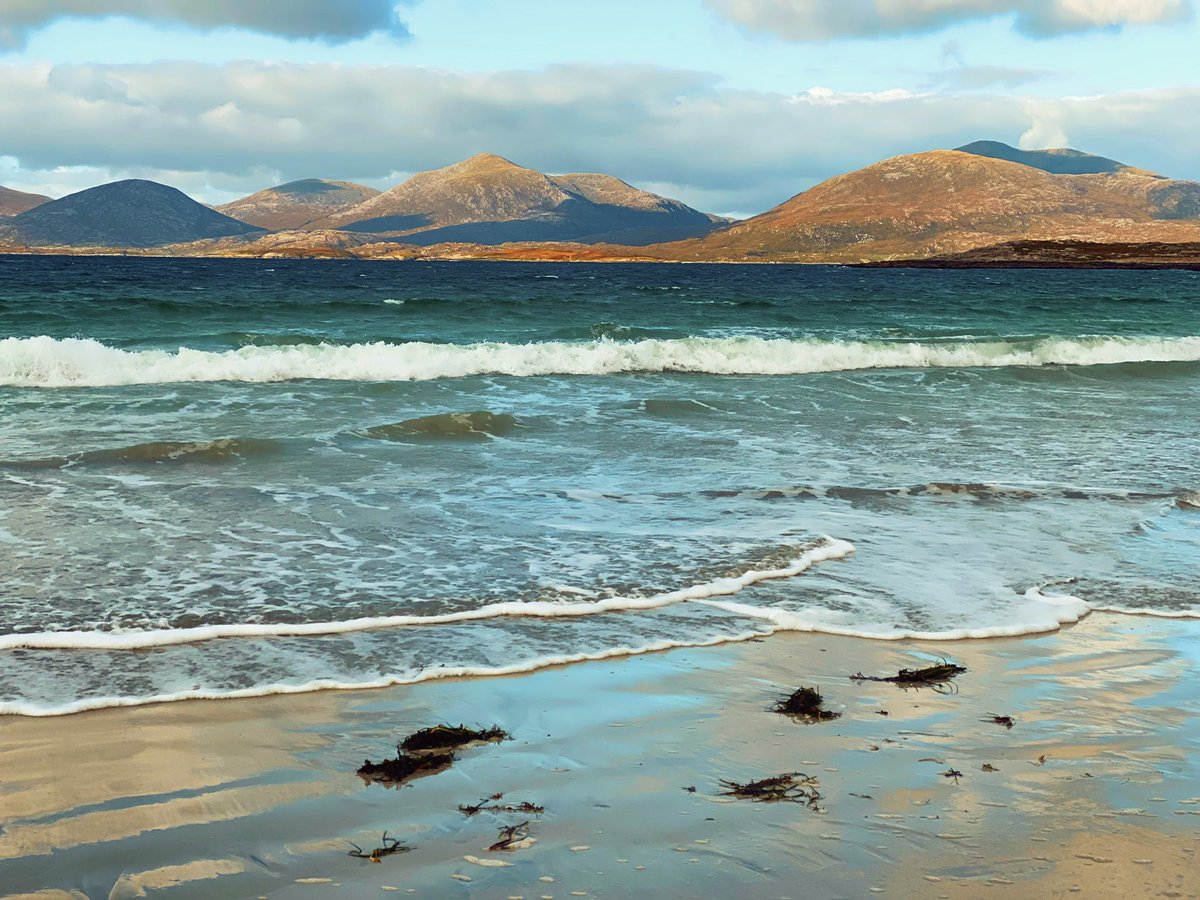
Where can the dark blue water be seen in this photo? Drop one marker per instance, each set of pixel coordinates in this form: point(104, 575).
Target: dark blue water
point(281, 475)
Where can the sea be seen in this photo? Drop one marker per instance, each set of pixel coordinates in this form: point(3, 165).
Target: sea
point(231, 478)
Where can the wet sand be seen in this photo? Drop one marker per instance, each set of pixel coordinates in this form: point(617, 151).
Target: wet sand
point(1095, 793)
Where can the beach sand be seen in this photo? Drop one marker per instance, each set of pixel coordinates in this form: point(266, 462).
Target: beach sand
point(1095, 793)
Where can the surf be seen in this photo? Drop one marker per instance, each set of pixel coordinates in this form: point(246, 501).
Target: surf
point(46, 362)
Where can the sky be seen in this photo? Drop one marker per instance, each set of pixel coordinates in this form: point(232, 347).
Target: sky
point(729, 105)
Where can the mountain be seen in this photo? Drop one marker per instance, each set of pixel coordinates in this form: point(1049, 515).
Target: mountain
point(489, 200)
point(295, 204)
point(652, 219)
point(948, 201)
point(13, 203)
point(1060, 161)
point(131, 213)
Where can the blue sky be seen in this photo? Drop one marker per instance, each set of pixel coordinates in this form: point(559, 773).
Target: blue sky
point(732, 105)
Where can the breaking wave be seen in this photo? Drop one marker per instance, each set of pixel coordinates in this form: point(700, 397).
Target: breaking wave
point(82, 362)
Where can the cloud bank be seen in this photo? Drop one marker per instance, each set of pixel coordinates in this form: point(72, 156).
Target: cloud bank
point(815, 20)
point(234, 128)
point(325, 20)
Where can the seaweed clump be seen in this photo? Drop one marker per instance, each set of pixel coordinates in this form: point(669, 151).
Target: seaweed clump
point(932, 676)
point(807, 704)
point(492, 804)
point(394, 772)
point(443, 738)
point(426, 752)
point(791, 787)
point(390, 845)
point(511, 837)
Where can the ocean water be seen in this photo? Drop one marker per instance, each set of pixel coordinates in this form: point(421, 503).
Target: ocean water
point(230, 478)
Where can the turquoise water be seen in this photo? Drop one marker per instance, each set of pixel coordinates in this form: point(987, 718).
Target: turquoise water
point(245, 476)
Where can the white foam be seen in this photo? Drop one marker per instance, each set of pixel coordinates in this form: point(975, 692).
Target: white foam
point(83, 362)
point(1152, 613)
point(1040, 613)
point(22, 708)
point(829, 548)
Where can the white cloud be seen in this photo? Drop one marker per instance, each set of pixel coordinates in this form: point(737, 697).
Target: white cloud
point(1044, 132)
point(326, 20)
point(1070, 15)
point(214, 130)
point(814, 20)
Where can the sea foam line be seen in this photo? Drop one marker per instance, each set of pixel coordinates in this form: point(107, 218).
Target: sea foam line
point(1150, 613)
point(1039, 614)
point(1064, 609)
point(83, 362)
point(33, 710)
point(829, 548)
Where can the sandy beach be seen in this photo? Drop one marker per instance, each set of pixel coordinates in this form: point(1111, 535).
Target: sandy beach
point(1094, 790)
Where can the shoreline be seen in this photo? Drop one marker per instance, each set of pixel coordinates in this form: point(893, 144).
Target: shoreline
point(258, 797)
point(268, 692)
point(934, 263)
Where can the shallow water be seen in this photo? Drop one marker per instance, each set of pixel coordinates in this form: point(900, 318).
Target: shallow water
point(238, 477)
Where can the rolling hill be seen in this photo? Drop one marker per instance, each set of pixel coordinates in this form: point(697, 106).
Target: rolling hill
point(132, 213)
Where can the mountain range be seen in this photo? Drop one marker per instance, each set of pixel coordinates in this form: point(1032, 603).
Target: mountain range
point(931, 205)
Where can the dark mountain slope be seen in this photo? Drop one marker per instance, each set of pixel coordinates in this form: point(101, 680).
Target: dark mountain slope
point(1061, 161)
point(133, 213)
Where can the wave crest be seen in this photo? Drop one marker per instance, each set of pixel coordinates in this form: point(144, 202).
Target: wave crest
point(82, 362)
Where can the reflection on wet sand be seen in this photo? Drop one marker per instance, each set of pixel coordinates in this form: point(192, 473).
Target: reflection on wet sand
point(214, 806)
point(152, 751)
point(1093, 786)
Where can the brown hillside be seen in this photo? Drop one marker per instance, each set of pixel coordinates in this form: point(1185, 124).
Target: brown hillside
point(295, 204)
point(484, 188)
point(13, 203)
point(946, 201)
point(489, 200)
